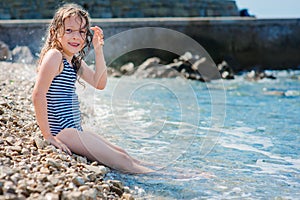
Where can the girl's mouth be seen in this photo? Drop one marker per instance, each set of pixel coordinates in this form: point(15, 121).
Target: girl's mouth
point(74, 44)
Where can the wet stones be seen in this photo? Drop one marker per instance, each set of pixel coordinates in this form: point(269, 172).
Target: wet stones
point(256, 75)
point(188, 66)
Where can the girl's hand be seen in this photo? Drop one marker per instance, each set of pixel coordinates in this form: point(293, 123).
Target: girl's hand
point(98, 38)
point(58, 144)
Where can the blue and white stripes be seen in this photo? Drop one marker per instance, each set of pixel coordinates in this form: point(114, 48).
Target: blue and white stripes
point(62, 101)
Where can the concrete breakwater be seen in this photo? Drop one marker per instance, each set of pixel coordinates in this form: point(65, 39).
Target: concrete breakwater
point(245, 43)
point(44, 9)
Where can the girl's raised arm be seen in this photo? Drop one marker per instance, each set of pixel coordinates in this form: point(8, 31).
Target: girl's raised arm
point(97, 78)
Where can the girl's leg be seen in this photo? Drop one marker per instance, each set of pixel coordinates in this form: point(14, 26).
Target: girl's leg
point(95, 148)
point(117, 148)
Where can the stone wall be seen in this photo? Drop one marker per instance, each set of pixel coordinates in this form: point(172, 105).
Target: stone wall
point(44, 9)
point(244, 42)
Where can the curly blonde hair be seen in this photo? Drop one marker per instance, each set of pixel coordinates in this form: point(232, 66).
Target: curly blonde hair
point(57, 25)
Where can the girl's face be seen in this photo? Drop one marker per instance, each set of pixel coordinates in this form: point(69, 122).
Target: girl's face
point(73, 36)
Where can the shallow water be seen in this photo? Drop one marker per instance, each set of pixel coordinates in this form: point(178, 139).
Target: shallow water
point(221, 140)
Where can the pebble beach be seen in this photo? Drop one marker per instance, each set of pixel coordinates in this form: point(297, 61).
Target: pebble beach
point(30, 168)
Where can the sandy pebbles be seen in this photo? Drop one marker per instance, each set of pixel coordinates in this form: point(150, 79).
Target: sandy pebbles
point(30, 168)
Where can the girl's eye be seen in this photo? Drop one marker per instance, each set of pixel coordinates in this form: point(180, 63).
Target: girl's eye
point(68, 30)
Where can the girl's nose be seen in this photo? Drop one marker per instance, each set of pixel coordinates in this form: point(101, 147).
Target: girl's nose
point(76, 34)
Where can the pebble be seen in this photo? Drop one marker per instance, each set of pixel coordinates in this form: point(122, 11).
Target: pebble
point(127, 196)
point(44, 170)
point(97, 169)
point(52, 196)
point(83, 188)
point(90, 194)
point(39, 143)
point(30, 167)
point(78, 181)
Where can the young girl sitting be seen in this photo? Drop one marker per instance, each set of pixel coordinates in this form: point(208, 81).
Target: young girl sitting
point(55, 101)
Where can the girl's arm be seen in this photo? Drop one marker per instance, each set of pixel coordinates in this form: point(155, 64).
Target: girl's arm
point(48, 69)
point(97, 78)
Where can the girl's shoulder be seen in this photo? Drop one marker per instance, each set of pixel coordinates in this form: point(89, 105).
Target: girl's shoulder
point(54, 53)
point(52, 60)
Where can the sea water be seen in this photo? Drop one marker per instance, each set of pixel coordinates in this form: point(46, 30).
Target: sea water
point(226, 139)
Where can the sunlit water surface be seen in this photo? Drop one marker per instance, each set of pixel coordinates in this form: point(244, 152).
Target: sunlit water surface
point(231, 139)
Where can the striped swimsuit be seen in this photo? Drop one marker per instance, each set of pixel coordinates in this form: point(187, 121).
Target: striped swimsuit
point(62, 101)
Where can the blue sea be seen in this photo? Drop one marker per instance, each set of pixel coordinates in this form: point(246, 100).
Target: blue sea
point(226, 139)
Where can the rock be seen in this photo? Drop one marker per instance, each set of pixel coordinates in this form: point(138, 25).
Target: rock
point(95, 163)
point(116, 183)
point(1, 187)
point(15, 178)
point(53, 180)
point(44, 170)
point(40, 144)
point(53, 163)
point(127, 196)
point(83, 188)
point(81, 159)
point(90, 194)
point(52, 196)
point(9, 187)
point(97, 169)
point(16, 148)
point(25, 151)
point(35, 188)
point(151, 69)
point(150, 62)
point(102, 188)
point(190, 66)
point(34, 195)
point(197, 64)
point(5, 54)
point(22, 54)
point(126, 189)
point(116, 190)
point(90, 177)
point(186, 56)
point(225, 70)
point(78, 181)
point(113, 72)
point(76, 195)
point(116, 186)
point(127, 69)
point(10, 140)
point(6, 171)
point(254, 75)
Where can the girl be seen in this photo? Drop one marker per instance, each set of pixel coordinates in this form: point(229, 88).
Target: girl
point(54, 98)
